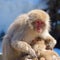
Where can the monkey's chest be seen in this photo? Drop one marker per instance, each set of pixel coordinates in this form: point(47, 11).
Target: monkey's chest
point(29, 37)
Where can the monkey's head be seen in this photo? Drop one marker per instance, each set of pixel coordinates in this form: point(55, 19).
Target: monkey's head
point(39, 20)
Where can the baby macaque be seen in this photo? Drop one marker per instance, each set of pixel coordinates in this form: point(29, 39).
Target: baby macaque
point(42, 52)
point(23, 30)
point(39, 46)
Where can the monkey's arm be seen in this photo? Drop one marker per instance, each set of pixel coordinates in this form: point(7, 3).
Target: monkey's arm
point(50, 41)
point(17, 31)
point(24, 47)
point(19, 45)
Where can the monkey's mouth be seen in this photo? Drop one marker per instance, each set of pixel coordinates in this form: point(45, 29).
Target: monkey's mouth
point(38, 29)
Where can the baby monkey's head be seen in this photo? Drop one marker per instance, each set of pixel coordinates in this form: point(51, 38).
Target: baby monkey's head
point(38, 20)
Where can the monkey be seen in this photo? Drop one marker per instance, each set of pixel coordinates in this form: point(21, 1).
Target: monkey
point(23, 30)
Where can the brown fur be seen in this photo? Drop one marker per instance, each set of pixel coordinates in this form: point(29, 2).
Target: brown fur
point(39, 45)
point(43, 53)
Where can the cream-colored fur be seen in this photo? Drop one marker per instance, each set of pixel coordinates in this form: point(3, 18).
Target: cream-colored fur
point(20, 34)
point(42, 53)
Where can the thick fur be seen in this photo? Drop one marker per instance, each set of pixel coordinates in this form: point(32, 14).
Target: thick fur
point(43, 53)
point(13, 44)
point(39, 47)
point(20, 34)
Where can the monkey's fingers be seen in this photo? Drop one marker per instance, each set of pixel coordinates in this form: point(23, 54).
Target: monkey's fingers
point(42, 58)
point(32, 53)
point(28, 57)
point(49, 47)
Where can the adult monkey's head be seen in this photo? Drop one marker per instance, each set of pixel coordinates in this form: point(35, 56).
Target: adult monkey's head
point(39, 20)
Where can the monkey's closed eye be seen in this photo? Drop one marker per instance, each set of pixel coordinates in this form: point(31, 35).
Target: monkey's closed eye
point(38, 23)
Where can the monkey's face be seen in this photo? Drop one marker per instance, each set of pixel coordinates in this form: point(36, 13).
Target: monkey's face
point(38, 25)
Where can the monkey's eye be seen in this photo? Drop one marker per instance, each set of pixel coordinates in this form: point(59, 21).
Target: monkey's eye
point(38, 23)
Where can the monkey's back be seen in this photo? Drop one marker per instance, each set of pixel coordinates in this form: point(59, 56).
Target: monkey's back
point(8, 52)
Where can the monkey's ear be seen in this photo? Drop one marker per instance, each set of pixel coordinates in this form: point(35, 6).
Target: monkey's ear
point(29, 23)
point(29, 19)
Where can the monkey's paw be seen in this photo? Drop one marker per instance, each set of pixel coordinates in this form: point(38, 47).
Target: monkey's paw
point(32, 53)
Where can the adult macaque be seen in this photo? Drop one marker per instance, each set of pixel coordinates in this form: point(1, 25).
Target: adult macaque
point(23, 30)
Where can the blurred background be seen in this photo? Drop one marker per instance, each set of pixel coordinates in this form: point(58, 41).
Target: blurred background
point(10, 9)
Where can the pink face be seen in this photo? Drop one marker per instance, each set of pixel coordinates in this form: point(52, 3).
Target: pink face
point(38, 24)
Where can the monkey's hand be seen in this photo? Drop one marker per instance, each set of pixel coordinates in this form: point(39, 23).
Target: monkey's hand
point(50, 42)
point(24, 47)
point(49, 45)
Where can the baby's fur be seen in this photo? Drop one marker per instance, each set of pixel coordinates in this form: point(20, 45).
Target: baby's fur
point(42, 53)
point(39, 46)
